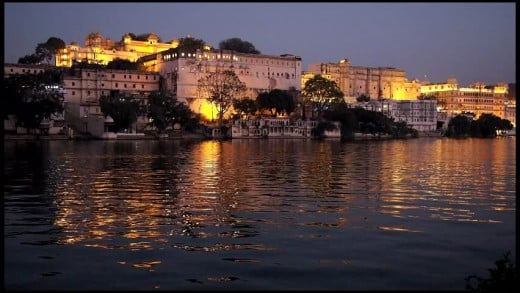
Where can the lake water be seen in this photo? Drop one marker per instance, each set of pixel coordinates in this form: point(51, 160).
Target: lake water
point(256, 214)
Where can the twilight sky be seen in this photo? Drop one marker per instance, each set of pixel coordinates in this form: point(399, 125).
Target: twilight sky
point(469, 41)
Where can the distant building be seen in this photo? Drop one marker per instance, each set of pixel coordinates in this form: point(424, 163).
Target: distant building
point(101, 50)
point(477, 98)
point(375, 82)
point(260, 73)
point(84, 87)
point(418, 114)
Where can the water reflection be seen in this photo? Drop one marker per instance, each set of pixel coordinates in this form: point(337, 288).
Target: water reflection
point(258, 202)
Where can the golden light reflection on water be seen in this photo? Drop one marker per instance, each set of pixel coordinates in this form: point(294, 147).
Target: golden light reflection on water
point(147, 195)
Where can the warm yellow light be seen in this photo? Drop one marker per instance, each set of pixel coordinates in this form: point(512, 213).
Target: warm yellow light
point(209, 111)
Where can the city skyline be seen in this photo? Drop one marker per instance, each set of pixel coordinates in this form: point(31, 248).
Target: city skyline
point(472, 42)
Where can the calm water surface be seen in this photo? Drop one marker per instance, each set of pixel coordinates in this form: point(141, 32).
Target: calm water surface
point(256, 214)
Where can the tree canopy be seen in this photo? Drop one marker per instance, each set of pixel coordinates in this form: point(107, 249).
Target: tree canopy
point(485, 126)
point(43, 51)
point(220, 88)
point(238, 45)
point(276, 101)
point(122, 64)
point(48, 49)
point(245, 106)
point(164, 110)
point(122, 108)
point(190, 44)
point(322, 93)
point(33, 97)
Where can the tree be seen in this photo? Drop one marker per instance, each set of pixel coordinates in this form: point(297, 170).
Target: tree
point(220, 87)
point(264, 102)
point(122, 64)
point(238, 45)
point(33, 97)
point(459, 125)
point(322, 93)
point(340, 112)
point(283, 101)
point(30, 59)
point(132, 36)
point(503, 277)
point(489, 124)
point(122, 108)
point(245, 106)
point(276, 101)
point(363, 98)
point(185, 116)
point(190, 45)
point(48, 49)
point(164, 110)
point(160, 109)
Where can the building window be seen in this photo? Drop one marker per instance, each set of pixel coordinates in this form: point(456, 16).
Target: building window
point(103, 85)
point(147, 77)
point(73, 83)
point(88, 92)
point(125, 85)
point(154, 77)
point(142, 86)
point(134, 86)
point(130, 76)
point(73, 93)
point(117, 85)
point(88, 74)
point(113, 75)
point(138, 77)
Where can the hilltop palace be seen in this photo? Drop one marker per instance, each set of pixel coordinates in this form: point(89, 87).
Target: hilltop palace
point(167, 67)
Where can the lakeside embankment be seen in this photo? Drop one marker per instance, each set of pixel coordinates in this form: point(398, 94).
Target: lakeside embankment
point(82, 137)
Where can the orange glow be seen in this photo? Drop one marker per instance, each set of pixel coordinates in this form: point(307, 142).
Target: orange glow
point(205, 108)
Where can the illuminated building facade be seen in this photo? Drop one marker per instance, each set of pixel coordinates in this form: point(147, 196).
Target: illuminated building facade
point(182, 70)
point(418, 114)
point(84, 87)
point(477, 98)
point(375, 82)
point(101, 50)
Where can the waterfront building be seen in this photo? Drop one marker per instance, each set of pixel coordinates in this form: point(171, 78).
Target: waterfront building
point(181, 71)
point(478, 98)
point(418, 114)
point(279, 127)
point(510, 111)
point(100, 50)
point(374, 82)
point(84, 87)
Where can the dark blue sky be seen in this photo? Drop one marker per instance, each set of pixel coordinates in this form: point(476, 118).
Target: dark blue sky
point(469, 41)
